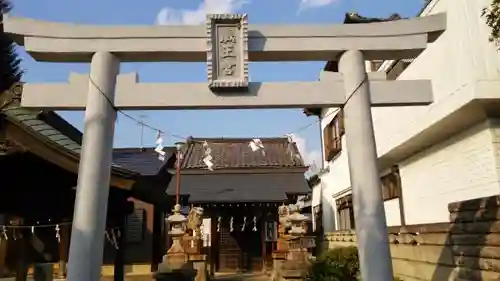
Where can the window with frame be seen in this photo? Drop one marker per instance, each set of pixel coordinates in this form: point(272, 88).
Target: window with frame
point(345, 213)
point(136, 225)
point(332, 136)
point(391, 185)
point(318, 221)
point(391, 189)
point(376, 64)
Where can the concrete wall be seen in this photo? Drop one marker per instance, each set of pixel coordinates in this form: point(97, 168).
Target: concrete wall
point(467, 248)
point(466, 165)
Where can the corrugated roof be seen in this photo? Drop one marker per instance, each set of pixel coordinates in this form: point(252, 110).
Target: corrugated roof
point(230, 153)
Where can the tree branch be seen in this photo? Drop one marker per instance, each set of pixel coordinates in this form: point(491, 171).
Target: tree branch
point(492, 16)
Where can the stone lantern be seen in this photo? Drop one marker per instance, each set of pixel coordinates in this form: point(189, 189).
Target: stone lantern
point(175, 265)
point(299, 242)
point(297, 222)
point(296, 261)
point(177, 222)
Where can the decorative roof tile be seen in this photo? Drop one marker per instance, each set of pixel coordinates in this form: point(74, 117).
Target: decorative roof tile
point(235, 153)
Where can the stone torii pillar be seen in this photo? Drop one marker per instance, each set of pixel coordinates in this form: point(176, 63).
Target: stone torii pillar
point(369, 214)
point(89, 219)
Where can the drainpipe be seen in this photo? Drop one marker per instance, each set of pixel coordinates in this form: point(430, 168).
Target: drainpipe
point(322, 147)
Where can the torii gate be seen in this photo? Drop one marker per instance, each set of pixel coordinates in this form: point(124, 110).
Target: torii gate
point(226, 43)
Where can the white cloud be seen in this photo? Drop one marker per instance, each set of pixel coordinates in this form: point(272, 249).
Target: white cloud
point(312, 157)
point(308, 4)
point(170, 16)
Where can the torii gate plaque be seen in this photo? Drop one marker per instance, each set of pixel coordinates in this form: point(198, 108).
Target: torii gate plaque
point(227, 54)
point(106, 46)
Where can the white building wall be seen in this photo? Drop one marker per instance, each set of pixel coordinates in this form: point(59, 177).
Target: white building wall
point(392, 212)
point(455, 62)
point(463, 167)
point(334, 182)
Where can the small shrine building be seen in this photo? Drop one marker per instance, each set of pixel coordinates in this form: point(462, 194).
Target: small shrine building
point(240, 197)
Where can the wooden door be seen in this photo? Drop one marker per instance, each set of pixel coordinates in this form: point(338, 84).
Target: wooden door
point(229, 252)
point(240, 251)
point(251, 250)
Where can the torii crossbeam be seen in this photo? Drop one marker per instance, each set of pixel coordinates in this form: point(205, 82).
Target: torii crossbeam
point(227, 43)
point(131, 95)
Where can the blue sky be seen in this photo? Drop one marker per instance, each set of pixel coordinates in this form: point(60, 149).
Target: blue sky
point(227, 123)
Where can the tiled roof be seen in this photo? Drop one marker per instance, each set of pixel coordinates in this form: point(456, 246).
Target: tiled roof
point(48, 126)
point(240, 187)
point(37, 122)
point(230, 153)
point(141, 160)
point(30, 119)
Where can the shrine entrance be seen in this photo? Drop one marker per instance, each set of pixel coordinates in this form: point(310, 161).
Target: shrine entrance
point(239, 251)
point(227, 43)
point(243, 238)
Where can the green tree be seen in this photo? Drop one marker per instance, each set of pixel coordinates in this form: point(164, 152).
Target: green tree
point(10, 69)
point(492, 17)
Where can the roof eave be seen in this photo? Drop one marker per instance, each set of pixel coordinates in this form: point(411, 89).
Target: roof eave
point(73, 155)
point(245, 170)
